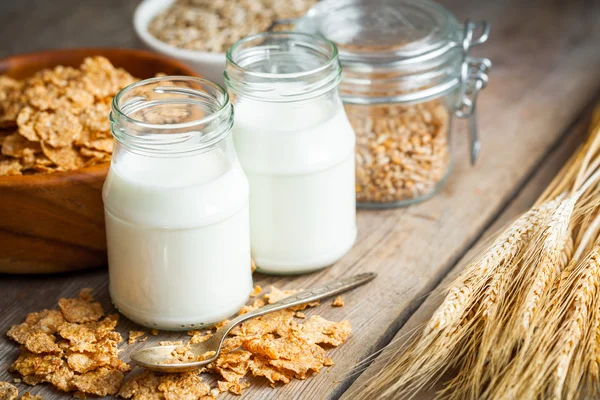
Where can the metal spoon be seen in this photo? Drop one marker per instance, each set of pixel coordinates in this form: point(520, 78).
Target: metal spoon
point(160, 359)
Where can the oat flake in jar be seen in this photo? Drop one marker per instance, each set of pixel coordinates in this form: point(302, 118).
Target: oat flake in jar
point(297, 148)
point(406, 74)
point(176, 206)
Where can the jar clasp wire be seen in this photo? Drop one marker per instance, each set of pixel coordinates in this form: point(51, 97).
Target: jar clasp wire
point(474, 78)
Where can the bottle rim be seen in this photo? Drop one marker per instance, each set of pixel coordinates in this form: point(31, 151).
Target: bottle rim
point(248, 53)
point(169, 138)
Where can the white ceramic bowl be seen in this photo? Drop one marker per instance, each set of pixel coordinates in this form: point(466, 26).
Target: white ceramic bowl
point(209, 65)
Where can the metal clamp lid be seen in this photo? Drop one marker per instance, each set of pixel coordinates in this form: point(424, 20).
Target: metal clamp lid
point(474, 78)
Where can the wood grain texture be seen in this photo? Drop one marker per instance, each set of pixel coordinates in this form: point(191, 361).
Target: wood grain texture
point(547, 69)
point(55, 222)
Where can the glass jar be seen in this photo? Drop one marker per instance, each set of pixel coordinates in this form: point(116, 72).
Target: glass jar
point(406, 74)
point(297, 149)
point(176, 206)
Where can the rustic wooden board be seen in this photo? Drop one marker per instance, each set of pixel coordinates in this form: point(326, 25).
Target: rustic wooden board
point(547, 69)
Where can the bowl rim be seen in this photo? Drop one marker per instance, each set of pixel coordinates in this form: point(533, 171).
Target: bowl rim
point(52, 178)
point(153, 7)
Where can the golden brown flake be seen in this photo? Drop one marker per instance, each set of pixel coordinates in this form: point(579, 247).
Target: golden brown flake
point(101, 382)
point(256, 291)
point(260, 367)
point(78, 310)
point(29, 363)
point(29, 396)
point(66, 157)
point(10, 166)
point(40, 342)
point(318, 330)
point(338, 302)
point(14, 145)
point(135, 335)
point(300, 314)
point(8, 391)
point(154, 332)
point(199, 338)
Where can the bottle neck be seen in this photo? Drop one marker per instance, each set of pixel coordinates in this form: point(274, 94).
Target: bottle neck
point(171, 117)
point(282, 67)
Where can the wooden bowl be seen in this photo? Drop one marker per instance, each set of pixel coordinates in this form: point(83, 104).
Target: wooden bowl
point(55, 222)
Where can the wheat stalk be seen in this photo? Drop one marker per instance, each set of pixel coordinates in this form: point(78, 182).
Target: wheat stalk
point(523, 319)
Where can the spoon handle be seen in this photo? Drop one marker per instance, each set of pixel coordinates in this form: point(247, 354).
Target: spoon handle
point(306, 296)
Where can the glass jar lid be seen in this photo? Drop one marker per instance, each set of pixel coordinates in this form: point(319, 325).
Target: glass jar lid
point(384, 32)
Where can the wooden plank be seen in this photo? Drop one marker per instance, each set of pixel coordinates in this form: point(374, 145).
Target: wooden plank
point(543, 176)
point(547, 69)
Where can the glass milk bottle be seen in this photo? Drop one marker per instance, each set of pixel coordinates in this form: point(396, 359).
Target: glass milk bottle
point(296, 146)
point(176, 206)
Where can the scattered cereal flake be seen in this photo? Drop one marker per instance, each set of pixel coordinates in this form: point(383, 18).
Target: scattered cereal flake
point(318, 330)
point(80, 337)
point(221, 324)
point(256, 291)
point(17, 380)
point(154, 332)
point(143, 387)
point(276, 294)
point(199, 338)
point(187, 386)
point(257, 303)
point(79, 311)
point(80, 395)
point(87, 361)
point(338, 302)
point(290, 353)
point(40, 342)
point(150, 385)
point(20, 333)
point(192, 333)
point(275, 322)
point(61, 378)
point(231, 343)
point(328, 362)
point(85, 294)
point(8, 391)
point(233, 387)
point(300, 314)
point(29, 396)
point(46, 320)
point(29, 363)
point(260, 367)
point(170, 343)
point(101, 382)
point(135, 335)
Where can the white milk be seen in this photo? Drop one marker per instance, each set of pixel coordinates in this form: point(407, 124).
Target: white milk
point(178, 238)
point(299, 160)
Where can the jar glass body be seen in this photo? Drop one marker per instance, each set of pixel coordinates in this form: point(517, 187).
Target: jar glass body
point(296, 146)
point(176, 207)
point(403, 151)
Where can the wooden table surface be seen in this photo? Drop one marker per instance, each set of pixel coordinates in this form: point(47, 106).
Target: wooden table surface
point(545, 79)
